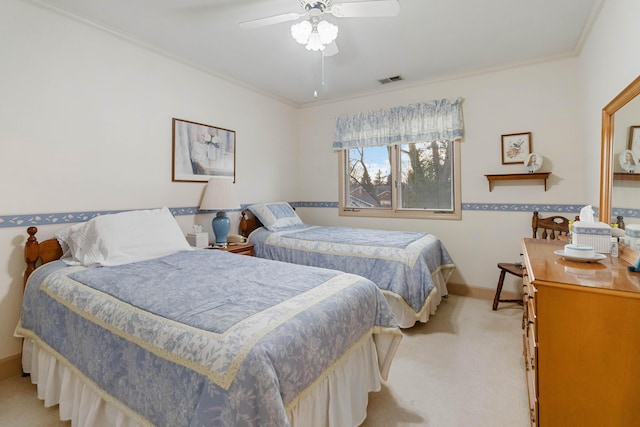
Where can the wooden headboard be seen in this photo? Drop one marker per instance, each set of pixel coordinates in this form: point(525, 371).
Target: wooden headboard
point(36, 254)
point(248, 223)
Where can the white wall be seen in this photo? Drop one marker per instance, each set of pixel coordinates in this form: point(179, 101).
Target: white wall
point(540, 98)
point(85, 125)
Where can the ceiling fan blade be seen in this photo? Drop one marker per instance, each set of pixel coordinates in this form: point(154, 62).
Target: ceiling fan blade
point(366, 9)
point(330, 49)
point(270, 20)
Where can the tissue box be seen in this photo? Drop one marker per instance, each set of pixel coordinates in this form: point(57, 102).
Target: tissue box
point(198, 240)
point(596, 234)
point(632, 236)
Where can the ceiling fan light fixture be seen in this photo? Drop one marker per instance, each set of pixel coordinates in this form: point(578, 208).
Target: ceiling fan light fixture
point(313, 34)
point(314, 42)
point(328, 31)
point(301, 31)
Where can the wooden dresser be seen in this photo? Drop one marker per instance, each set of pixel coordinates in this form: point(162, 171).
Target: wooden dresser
point(581, 331)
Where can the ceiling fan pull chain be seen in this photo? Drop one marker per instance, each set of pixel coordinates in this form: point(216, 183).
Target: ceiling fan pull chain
point(315, 92)
point(322, 68)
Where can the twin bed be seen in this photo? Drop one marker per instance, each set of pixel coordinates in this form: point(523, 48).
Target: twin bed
point(411, 268)
point(125, 324)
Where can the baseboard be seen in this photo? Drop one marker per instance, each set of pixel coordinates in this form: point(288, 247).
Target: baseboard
point(11, 366)
point(481, 293)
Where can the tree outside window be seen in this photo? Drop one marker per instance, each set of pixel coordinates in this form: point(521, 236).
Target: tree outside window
point(415, 180)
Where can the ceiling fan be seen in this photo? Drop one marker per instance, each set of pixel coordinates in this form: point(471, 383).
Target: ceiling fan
point(318, 34)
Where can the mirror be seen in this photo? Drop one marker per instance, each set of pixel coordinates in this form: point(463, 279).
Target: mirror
point(608, 153)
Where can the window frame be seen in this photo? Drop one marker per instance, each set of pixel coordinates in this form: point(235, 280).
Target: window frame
point(395, 211)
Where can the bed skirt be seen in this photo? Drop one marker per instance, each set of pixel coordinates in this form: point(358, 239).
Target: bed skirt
point(338, 398)
point(405, 315)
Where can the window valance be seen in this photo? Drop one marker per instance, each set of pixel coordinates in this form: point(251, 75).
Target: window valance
point(438, 120)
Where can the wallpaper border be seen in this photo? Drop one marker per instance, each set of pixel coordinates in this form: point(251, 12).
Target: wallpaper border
point(506, 207)
point(9, 221)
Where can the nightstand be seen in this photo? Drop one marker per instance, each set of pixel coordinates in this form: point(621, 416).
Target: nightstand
point(238, 248)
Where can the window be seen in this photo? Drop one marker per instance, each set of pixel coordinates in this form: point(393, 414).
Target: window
point(401, 162)
point(414, 180)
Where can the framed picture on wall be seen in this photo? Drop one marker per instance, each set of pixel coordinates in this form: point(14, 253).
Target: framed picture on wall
point(201, 152)
point(516, 147)
point(634, 141)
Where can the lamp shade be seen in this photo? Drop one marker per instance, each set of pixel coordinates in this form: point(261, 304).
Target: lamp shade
point(219, 195)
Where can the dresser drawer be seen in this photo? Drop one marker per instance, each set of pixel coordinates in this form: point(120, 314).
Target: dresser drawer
point(533, 397)
point(531, 315)
point(532, 347)
point(531, 366)
point(527, 287)
point(528, 302)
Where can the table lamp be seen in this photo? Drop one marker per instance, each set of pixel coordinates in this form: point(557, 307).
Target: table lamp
point(219, 195)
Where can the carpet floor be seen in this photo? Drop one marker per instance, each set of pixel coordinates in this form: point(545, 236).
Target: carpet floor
point(463, 368)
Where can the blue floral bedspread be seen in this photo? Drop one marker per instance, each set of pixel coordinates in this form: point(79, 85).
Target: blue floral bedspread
point(202, 338)
point(399, 262)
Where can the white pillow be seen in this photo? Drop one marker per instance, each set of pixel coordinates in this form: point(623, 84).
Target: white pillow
point(64, 238)
point(276, 216)
point(123, 238)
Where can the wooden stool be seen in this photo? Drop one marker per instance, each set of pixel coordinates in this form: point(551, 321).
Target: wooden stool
point(511, 268)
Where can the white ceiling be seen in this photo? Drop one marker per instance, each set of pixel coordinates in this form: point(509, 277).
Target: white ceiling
point(429, 40)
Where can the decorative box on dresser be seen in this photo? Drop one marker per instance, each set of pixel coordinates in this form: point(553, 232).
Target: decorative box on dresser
point(581, 331)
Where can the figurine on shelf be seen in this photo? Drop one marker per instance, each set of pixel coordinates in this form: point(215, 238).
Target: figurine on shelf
point(627, 161)
point(533, 162)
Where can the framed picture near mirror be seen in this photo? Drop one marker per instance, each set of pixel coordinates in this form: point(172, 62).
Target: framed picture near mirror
point(634, 141)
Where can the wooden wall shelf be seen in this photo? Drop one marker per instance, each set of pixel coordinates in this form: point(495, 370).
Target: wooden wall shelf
point(518, 176)
point(622, 176)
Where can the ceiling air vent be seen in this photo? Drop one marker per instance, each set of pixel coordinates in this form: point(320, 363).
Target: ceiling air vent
point(390, 80)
